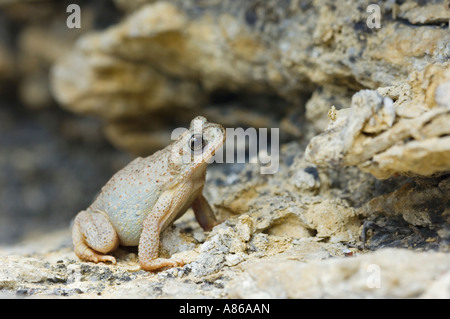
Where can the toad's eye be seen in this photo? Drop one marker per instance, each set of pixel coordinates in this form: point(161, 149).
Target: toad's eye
point(196, 142)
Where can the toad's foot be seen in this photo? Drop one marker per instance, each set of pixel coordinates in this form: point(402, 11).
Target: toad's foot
point(159, 263)
point(87, 254)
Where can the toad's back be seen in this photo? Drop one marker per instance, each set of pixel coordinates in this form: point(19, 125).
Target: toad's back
point(131, 193)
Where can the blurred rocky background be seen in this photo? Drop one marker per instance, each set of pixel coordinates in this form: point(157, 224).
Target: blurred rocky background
point(51, 162)
point(364, 118)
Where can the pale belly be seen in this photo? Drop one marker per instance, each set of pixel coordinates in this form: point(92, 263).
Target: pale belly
point(127, 213)
point(128, 226)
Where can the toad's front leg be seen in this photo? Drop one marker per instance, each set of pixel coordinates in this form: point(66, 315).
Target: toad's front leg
point(203, 213)
point(167, 207)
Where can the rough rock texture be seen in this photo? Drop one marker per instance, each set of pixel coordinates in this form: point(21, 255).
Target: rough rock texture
point(33, 36)
point(358, 210)
point(175, 55)
point(293, 234)
point(52, 162)
point(409, 136)
point(387, 273)
point(220, 269)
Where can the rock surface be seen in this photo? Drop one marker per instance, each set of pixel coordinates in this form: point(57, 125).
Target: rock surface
point(305, 269)
point(177, 54)
point(389, 273)
point(33, 37)
point(280, 238)
point(409, 136)
point(358, 206)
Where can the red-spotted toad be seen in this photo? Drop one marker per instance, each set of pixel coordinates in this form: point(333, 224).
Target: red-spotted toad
point(146, 196)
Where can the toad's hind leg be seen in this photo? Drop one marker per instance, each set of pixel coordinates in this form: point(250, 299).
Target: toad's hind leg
point(93, 236)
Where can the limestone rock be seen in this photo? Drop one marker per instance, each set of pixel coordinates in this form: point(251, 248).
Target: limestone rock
point(434, 13)
point(27, 270)
point(276, 240)
point(319, 226)
point(386, 138)
point(422, 204)
point(389, 273)
point(308, 269)
point(321, 101)
point(41, 36)
point(172, 57)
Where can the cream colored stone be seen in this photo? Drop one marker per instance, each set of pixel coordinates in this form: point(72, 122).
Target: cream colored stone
point(382, 138)
point(389, 273)
point(170, 56)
